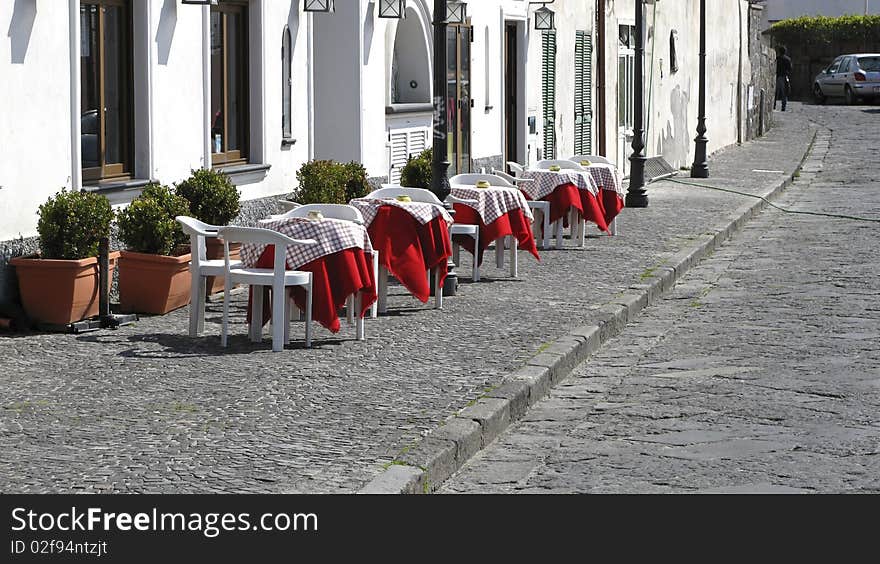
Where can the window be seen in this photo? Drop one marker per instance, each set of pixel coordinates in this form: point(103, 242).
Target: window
point(869, 64)
point(105, 88)
point(229, 83)
point(548, 91)
point(286, 85)
point(673, 51)
point(834, 66)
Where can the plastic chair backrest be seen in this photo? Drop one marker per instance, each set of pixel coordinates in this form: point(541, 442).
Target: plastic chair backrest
point(287, 205)
point(561, 163)
point(197, 231)
point(599, 159)
point(516, 167)
point(333, 211)
point(417, 194)
point(233, 234)
point(504, 175)
point(472, 179)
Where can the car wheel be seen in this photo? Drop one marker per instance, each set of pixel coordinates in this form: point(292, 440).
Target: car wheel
point(849, 97)
point(817, 94)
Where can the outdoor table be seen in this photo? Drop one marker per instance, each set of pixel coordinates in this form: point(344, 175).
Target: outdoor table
point(611, 192)
point(566, 189)
point(338, 262)
point(412, 239)
point(499, 211)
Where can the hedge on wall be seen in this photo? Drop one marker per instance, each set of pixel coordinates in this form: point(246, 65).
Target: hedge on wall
point(822, 29)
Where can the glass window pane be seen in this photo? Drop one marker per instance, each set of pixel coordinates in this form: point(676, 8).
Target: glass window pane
point(234, 85)
point(90, 100)
point(464, 77)
point(621, 91)
point(115, 79)
point(286, 86)
point(217, 129)
point(452, 98)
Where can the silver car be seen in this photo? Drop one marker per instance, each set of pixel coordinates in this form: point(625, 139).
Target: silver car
point(852, 77)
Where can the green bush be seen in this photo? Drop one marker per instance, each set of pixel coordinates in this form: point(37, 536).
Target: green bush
point(212, 196)
point(330, 182)
point(72, 223)
point(147, 225)
point(417, 173)
point(822, 29)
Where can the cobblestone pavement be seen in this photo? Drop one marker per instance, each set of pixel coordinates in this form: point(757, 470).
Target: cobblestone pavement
point(760, 372)
point(145, 408)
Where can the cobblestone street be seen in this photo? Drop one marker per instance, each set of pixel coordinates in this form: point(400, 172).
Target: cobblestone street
point(147, 409)
point(759, 372)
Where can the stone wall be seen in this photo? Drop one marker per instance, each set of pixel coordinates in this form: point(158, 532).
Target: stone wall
point(762, 87)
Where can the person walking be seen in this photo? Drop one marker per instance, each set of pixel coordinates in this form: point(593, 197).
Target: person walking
point(783, 74)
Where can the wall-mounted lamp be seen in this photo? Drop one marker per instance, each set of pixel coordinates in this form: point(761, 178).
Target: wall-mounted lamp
point(456, 13)
point(324, 6)
point(544, 17)
point(392, 8)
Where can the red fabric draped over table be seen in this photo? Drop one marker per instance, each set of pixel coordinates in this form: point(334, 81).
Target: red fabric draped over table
point(334, 278)
point(567, 196)
point(408, 248)
point(612, 204)
point(513, 223)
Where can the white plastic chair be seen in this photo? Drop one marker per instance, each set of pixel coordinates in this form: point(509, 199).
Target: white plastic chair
point(515, 167)
point(200, 269)
point(563, 164)
point(536, 206)
point(468, 230)
point(510, 241)
point(277, 277)
point(598, 159)
point(416, 195)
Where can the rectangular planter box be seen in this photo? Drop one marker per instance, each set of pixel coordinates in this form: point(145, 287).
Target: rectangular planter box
point(153, 284)
point(59, 292)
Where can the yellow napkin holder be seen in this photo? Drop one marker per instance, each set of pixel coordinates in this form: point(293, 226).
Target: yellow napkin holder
point(403, 198)
point(483, 184)
point(315, 215)
point(586, 163)
point(554, 168)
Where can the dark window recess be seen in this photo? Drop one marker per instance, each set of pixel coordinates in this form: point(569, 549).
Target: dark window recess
point(229, 83)
point(105, 90)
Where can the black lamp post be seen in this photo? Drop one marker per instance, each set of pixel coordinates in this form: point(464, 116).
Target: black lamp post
point(700, 168)
point(636, 195)
point(440, 162)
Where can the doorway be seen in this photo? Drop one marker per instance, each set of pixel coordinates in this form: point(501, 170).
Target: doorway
point(511, 92)
point(458, 97)
point(626, 61)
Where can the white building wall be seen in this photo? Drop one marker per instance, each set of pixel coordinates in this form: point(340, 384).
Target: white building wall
point(35, 138)
point(40, 140)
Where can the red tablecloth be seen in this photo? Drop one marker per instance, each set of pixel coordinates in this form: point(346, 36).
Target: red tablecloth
point(408, 249)
point(612, 204)
point(334, 278)
point(512, 223)
point(567, 196)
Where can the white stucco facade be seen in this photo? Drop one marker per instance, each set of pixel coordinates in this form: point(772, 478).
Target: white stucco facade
point(361, 90)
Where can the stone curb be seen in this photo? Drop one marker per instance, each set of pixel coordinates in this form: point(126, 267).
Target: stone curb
point(439, 455)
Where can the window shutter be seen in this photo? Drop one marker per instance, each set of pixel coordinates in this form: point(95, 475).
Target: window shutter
point(583, 94)
point(548, 92)
point(405, 143)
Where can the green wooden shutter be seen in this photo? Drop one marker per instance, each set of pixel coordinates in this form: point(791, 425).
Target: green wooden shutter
point(583, 94)
point(548, 92)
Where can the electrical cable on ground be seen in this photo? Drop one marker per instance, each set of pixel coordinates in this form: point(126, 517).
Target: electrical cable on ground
point(836, 216)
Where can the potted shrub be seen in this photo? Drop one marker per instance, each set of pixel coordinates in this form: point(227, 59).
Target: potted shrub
point(154, 274)
point(214, 199)
point(60, 285)
point(417, 172)
point(330, 182)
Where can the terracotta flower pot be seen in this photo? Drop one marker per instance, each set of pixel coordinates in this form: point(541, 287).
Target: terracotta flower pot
point(214, 251)
point(60, 292)
point(154, 284)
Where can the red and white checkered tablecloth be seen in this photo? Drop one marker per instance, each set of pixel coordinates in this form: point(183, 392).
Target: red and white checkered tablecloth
point(332, 236)
point(494, 202)
point(546, 181)
point(607, 177)
point(424, 212)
